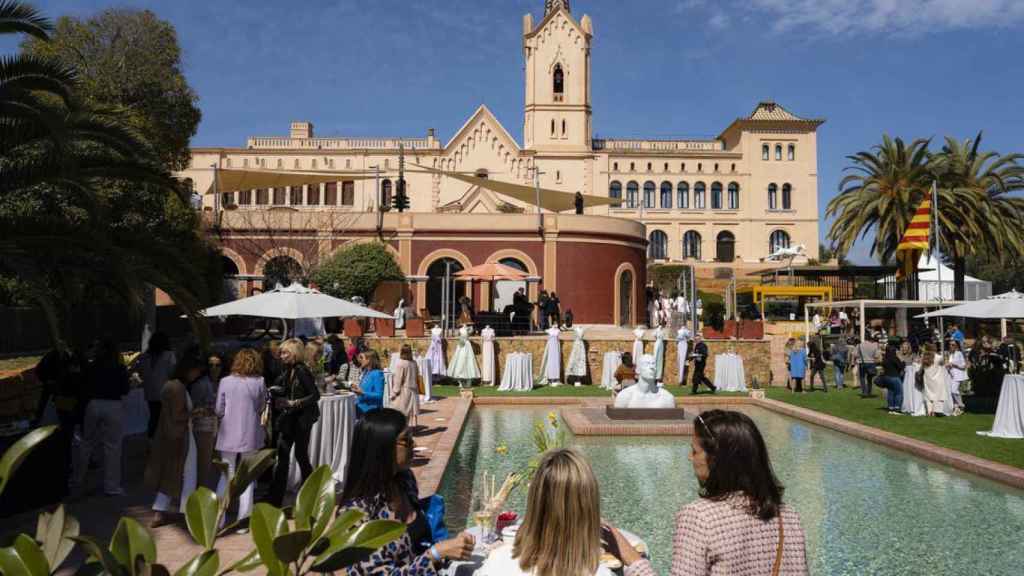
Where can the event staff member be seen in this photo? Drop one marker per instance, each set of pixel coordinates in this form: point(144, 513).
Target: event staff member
point(700, 360)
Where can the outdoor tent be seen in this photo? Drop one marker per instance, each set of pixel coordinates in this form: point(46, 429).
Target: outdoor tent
point(929, 284)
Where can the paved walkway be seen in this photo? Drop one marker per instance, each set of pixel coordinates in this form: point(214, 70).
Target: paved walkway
point(99, 514)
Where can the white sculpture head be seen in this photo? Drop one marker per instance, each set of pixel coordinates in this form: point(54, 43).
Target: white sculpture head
point(646, 374)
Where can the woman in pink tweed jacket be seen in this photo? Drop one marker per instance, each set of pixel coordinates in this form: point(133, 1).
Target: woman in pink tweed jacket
point(739, 526)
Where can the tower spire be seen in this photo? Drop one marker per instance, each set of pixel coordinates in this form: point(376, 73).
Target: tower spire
point(552, 5)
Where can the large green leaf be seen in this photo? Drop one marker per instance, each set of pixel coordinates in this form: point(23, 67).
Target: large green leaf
point(201, 514)
point(354, 546)
point(101, 555)
point(289, 546)
point(56, 531)
point(267, 523)
point(130, 543)
point(16, 454)
point(315, 502)
point(205, 564)
point(24, 558)
point(250, 468)
point(248, 563)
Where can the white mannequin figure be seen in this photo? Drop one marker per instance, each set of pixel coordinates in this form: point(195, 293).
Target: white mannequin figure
point(659, 354)
point(638, 343)
point(400, 314)
point(551, 363)
point(683, 336)
point(645, 393)
point(436, 353)
point(577, 365)
point(487, 351)
point(463, 367)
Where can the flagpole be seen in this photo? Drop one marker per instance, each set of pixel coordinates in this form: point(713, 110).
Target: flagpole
point(938, 263)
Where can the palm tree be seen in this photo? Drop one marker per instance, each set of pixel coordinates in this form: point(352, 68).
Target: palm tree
point(880, 194)
point(975, 209)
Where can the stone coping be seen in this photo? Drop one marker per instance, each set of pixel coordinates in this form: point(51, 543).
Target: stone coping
point(1001, 473)
point(594, 421)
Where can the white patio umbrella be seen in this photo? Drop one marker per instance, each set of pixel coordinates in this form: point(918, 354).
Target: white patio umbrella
point(1004, 306)
point(295, 301)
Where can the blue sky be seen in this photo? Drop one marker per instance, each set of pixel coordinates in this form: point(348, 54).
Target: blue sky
point(661, 68)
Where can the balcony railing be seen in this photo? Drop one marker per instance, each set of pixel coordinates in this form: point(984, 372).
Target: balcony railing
point(278, 143)
point(659, 145)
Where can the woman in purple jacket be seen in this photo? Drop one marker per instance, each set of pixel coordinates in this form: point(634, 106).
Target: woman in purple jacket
point(241, 400)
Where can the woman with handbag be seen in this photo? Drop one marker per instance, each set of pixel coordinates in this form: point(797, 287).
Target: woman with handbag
point(296, 409)
point(739, 526)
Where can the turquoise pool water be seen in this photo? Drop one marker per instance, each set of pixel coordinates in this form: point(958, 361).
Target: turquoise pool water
point(865, 509)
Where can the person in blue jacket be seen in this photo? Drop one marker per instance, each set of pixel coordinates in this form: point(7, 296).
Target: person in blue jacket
point(371, 388)
point(798, 366)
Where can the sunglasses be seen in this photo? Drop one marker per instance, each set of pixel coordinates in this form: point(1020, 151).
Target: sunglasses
point(705, 425)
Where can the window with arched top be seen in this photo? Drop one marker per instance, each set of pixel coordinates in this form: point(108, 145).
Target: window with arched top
point(725, 246)
point(765, 151)
point(615, 192)
point(563, 128)
point(778, 151)
point(666, 195)
point(778, 240)
point(716, 195)
point(698, 195)
point(787, 197)
point(791, 152)
point(632, 190)
point(615, 166)
point(558, 83)
point(734, 196)
point(648, 194)
point(632, 166)
point(683, 195)
point(773, 197)
point(657, 246)
point(552, 126)
point(691, 245)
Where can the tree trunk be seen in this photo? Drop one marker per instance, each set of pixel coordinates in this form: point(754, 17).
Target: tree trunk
point(959, 284)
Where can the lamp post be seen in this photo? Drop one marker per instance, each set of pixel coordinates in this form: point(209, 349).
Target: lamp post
point(378, 205)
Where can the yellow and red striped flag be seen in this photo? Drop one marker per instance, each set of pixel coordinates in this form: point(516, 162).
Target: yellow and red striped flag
point(915, 240)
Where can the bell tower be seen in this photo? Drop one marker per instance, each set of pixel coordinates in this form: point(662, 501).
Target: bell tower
point(557, 62)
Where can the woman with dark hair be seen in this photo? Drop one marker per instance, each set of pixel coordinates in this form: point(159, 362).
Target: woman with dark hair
point(892, 378)
point(172, 466)
point(154, 367)
point(106, 382)
point(739, 526)
point(371, 384)
point(338, 357)
point(296, 409)
point(625, 374)
point(817, 366)
point(378, 482)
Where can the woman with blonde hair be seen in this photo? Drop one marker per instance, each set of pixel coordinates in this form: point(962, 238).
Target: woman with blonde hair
point(241, 401)
point(405, 392)
point(296, 407)
point(561, 533)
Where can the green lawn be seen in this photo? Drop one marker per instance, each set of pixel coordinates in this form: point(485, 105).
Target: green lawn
point(18, 363)
point(956, 433)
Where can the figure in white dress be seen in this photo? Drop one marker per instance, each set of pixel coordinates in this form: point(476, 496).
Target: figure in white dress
point(400, 314)
point(659, 354)
point(436, 353)
point(551, 364)
point(652, 312)
point(936, 385)
point(645, 393)
point(666, 310)
point(576, 369)
point(682, 306)
point(682, 349)
point(487, 351)
point(638, 343)
point(463, 367)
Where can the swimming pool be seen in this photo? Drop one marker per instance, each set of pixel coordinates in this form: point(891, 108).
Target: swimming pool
point(866, 509)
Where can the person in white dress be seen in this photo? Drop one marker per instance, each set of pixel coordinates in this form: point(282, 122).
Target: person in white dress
point(576, 369)
point(682, 349)
point(561, 532)
point(463, 367)
point(400, 315)
point(436, 353)
point(653, 314)
point(551, 363)
point(638, 342)
point(487, 352)
point(659, 354)
point(957, 372)
point(666, 310)
point(682, 306)
point(935, 383)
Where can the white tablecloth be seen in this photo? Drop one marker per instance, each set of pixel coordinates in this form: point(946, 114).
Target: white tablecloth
point(518, 372)
point(913, 399)
point(423, 363)
point(389, 377)
point(1009, 422)
point(729, 374)
point(331, 439)
point(136, 412)
point(611, 362)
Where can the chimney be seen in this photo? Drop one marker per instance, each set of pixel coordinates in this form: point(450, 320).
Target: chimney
point(302, 129)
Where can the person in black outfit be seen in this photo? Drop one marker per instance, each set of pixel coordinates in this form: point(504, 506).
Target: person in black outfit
point(542, 310)
point(700, 360)
point(554, 311)
point(295, 410)
point(578, 203)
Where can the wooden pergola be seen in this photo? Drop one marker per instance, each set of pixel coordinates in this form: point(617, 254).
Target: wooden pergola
point(863, 305)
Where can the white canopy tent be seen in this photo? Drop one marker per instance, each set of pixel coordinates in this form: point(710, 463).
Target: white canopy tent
point(863, 305)
point(930, 287)
point(1007, 306)
point(294, 302)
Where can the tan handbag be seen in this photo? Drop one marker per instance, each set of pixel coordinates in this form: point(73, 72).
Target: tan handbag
point(778, 551)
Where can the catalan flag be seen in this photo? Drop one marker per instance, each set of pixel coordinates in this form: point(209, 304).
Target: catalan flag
point(915, 240)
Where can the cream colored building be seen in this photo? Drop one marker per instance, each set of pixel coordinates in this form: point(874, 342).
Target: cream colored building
point(724, 202)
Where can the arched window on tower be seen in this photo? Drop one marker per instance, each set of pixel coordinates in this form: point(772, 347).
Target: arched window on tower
point(632, 189)
point(734, 196)
point(698, 195)
point(787, 197)
point(657, 246)
point(648, 194)
point(765, 152)
point(552, 126)
point(666, 194)
point(683, 194)
point(778, 151)
point(716, 195)
point(563, 128)
point(773, 197)
point(615, 192)
point(791, 152)
point(691, 245)
point(558, 83)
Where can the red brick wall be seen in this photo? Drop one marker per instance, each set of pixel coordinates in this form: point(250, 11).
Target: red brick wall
point(586, 279)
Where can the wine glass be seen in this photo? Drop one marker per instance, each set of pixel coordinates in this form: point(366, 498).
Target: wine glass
point(483, 516)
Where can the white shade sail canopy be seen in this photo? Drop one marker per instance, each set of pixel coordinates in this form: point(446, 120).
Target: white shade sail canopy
point(295, 301)
point(1009, 306)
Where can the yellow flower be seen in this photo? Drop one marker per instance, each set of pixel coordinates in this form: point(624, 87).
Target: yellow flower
point(501, 449)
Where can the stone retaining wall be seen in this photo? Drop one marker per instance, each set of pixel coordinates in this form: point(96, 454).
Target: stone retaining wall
point(755, 353)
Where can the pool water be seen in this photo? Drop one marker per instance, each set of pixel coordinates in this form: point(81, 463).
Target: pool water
point(865, 509)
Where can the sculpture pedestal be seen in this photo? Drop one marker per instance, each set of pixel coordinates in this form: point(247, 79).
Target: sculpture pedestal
point(614, 413)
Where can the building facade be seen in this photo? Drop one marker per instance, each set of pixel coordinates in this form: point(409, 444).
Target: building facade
point(723, 202)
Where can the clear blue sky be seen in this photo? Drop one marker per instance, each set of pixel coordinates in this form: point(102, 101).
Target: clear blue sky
point(661, 68)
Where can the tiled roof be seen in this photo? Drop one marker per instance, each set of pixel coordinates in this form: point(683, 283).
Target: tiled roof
point(772, 111)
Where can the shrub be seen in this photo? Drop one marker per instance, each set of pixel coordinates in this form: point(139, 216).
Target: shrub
point(356, 271)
